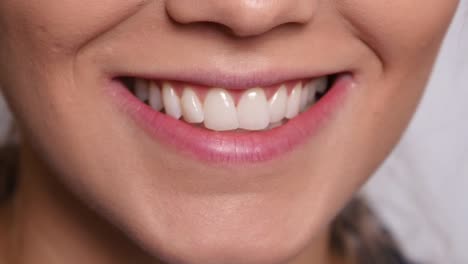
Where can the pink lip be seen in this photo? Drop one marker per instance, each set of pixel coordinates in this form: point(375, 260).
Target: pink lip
point(232, 147)
point(216, 78)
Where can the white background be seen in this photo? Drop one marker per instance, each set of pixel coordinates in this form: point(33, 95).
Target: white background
point(421, 190)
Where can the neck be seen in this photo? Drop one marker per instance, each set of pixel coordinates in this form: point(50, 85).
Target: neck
point(47, 224)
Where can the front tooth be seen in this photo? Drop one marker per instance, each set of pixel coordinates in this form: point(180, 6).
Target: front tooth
point(294, 101)
point(252, 110)
point(141, 89)
point(277, 104)
point(273, 125)
point(155, 100)
point(220, 111)
point(171, 101)
point(192, 108)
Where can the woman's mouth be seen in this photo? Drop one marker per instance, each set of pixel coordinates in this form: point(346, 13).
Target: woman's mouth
point(218, 109)
point(231, 125)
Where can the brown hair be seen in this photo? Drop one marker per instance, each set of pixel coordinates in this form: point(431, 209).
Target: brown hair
point(357, 234)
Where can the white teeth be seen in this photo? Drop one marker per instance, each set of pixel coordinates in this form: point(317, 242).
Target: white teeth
point(192, 108)
point(277, 105)
point(220, 111)
point(171, 101)
point(273, 125)
point(294, 101)
point(141, 90)
point(155, 100)
point(252, 110)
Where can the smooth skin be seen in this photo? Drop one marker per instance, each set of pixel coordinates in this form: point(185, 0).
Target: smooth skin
point(95, 188)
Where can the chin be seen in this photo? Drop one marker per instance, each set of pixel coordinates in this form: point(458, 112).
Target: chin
point(247, 230)
point(246, 246)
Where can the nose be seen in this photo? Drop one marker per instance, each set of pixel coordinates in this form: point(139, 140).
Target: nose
point(243, 17)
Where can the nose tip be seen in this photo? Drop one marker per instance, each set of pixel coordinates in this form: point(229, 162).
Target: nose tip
point(242, 17)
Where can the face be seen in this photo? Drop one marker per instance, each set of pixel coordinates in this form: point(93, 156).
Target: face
point(232, 173)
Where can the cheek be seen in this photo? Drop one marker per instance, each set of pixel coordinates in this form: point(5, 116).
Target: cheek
point(400, 31)
point(42, 39)
point(61, 26)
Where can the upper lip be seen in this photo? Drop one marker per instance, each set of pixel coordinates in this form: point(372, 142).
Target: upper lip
point(230, 80)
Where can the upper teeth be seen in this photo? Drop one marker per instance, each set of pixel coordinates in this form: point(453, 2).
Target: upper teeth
point(218, 111)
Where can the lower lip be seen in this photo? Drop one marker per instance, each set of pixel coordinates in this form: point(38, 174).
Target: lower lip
point(233, 147)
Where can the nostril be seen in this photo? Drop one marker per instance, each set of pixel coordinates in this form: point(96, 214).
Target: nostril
point(243, 17)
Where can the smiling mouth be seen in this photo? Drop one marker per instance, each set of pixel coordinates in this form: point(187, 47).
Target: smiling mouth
point(220, 109)
point(231, 126)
